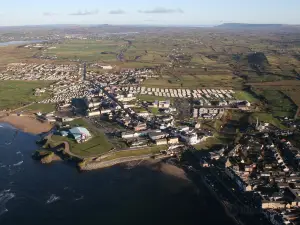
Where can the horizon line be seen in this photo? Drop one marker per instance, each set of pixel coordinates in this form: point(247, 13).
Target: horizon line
point(160, 25)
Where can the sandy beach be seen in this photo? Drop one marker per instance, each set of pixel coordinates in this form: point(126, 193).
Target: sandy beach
point(27, 124)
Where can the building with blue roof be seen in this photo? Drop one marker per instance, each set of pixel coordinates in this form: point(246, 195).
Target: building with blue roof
point(80, 134)
point(64, 133)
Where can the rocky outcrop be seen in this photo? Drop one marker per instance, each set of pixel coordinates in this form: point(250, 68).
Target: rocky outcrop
point(45, 156)
point(48, 158)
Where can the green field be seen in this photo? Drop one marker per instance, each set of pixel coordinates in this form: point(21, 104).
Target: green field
point(91, 50)
point(13, 54)
point(95, 146)
point(39, 107)
point(243, 95)
point(211, 142)
point(195, 81)
point(277, 102)
point(14, 94)
point(267, 118)
point(152, 98)
point(155, 111)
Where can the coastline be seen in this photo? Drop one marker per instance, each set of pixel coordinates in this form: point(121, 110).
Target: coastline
point(26, 123)
point(94, 165)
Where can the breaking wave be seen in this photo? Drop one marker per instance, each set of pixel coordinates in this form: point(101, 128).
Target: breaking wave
point(53, 198)
point(80, 198)
point(18, 164)
point(5, 196)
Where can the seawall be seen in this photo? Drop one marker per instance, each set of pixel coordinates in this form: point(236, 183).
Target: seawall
point(93, 165)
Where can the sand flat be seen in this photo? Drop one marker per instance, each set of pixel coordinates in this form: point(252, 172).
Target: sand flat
point(27, 124)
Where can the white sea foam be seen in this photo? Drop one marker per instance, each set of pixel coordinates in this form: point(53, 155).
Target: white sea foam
point(19, 163)
point(53, 198)
point(80, 198)
point(18, 152)
point(5, 196)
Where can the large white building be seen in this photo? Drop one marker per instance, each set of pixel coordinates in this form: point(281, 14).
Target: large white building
point(190, 137)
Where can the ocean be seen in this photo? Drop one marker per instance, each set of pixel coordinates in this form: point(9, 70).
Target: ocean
point(32, 193)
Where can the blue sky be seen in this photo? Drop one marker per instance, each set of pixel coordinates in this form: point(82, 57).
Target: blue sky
point(160, 12)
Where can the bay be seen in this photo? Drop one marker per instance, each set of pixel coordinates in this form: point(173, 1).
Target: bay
point(32, 193)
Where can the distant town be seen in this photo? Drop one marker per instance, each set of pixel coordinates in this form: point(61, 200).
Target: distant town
point(222, 111)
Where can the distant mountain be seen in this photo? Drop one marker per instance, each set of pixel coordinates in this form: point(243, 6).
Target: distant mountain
point(249, 26)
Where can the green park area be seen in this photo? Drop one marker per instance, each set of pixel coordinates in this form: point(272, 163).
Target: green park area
point(195, 81)
point(277, 103)
point(244, 95)
point(151, 98)
point(267, 118)
point(209, 143)
point(88, 50)
point(40, 107)
point(97, 145)
point(15, 94)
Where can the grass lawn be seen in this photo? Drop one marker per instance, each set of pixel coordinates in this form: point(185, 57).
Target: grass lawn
point(243, 95)
point(209, 143)
point(153, 98)
point(13, 54)
point(155, 111)
point(268, 118)
point(97, 145)
point(14, 94)
point(92, 50)
point(139, 109)
point(136, 64)
point(195, 81)
point(81, 123)
point(278, 102)
point(39, 107)
point(294, 95)
point(144, 151)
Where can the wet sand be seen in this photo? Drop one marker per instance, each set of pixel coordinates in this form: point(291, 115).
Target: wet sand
point(174, 179)
point(27, 124)
point(160, 166)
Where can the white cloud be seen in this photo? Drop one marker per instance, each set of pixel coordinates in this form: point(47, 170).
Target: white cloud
point(84, 13)
point(161, 10)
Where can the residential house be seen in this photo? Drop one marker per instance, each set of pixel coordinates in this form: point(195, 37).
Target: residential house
point(156, 135)
point(173, 140)
point(140, 127)
point(273, 204)
point(163, 141)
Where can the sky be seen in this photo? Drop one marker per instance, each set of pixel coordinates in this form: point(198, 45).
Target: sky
point(151, 12)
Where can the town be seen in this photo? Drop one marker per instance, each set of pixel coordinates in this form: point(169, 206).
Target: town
point(263, 162)
point(259, 175)
point(77, 92)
